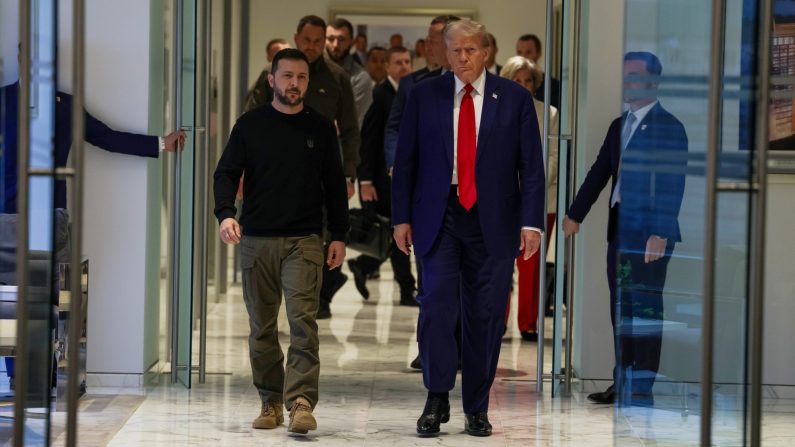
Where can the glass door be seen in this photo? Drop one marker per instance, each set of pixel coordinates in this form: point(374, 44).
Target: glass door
point(37, 132)
point(673, 339)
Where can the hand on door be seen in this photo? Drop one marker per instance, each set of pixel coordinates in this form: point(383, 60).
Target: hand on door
point(174, 140)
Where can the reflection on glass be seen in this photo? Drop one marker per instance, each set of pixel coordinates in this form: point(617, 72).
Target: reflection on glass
point(647, 196)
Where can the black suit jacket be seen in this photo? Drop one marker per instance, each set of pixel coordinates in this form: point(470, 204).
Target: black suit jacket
point(399, 104)
point(653, 178)
point(372, 165)
point(96, 133)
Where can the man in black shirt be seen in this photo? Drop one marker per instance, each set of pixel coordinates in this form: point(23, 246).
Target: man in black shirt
point(290, 154)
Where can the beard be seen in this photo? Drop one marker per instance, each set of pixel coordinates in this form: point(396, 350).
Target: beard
point(281, 96)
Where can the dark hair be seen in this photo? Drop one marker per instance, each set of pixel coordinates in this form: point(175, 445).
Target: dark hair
point(653, 65)
point(534, 39)
point(445, 19)
point(290, 54)
point(273, 42)
point(361, 35)
point(342, 23)
point(374, 49)
point(311, 20)
point(395, 50)
point(492, 40)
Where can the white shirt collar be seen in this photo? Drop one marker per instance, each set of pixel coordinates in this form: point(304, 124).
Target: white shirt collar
point(643, 111)
point(393, 82)
point(479, 84)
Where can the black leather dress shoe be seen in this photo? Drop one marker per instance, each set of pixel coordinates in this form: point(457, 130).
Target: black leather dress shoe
point(436, 412)
point(416, 363)
point(478, 424)
point(529, 336)
point(607, 396)
point(359, 278)
point(408, 297)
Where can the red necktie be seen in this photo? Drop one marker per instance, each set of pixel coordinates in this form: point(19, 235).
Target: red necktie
point(467, 194)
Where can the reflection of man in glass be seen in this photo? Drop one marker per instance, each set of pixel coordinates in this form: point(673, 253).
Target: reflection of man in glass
point(644, 153)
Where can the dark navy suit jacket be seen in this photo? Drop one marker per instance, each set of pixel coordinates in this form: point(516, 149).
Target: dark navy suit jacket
point(509, 171)
point(372, 163)
point(652, 183)
point(97, 133)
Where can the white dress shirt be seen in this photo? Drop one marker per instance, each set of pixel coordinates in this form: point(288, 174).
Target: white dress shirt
point(477, 98)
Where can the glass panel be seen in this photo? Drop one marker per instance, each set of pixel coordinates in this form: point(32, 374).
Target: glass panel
point(186, 178)
point(564, 16)
point(661, 195)
point(38, 384)
point(778, 362)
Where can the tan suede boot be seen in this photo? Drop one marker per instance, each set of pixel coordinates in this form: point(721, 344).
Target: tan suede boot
point(271, 416)
point(301, 419)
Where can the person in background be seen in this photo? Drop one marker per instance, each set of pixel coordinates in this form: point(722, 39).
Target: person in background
point(419, 60)
point(395, 40)
point(529, 46)
point(528, 75)
point(293, 171)
point(97, 133)
point(257, 95)
point(374, 182)
point(376, 64)
point(360, 55)
point(491, 65)
point(339, 41)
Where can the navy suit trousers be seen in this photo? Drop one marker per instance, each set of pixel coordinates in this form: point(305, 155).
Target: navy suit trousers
point(637, 314)
point(461, 279)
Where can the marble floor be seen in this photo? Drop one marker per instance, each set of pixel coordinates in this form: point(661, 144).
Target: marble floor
point(369, 396)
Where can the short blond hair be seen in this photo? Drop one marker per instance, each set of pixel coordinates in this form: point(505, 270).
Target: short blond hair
point(516, 63)
point(467, 28)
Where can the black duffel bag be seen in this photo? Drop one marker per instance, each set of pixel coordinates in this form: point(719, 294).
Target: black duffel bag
point(371, 233)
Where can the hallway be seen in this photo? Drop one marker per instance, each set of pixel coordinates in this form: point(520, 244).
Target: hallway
point(369, 396)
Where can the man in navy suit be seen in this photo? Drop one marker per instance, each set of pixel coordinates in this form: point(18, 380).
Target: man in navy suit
point(96, 133)
point(645, 155)
point(374, 182)
point(468, 193)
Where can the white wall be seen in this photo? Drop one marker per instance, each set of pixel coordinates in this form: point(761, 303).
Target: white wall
point(114, 233)
point(506, 19)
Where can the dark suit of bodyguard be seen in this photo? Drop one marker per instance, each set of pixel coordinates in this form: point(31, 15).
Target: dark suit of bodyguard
point(645, 155)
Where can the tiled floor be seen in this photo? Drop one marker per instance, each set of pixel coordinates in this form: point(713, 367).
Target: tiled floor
point(370, 397)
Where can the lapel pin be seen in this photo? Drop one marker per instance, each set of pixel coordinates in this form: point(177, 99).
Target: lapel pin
point(310, 143)
point(643, 127)
point(494, 95)
point(322, 90)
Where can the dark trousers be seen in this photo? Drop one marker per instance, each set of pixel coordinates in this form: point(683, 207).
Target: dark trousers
point(636, 311)
point(460, 278)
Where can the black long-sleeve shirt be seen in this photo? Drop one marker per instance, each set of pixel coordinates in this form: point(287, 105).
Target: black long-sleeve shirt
point(330, 93)
point(293, 168)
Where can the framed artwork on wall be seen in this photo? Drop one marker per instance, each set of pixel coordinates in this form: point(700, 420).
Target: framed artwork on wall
point(386, 26)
